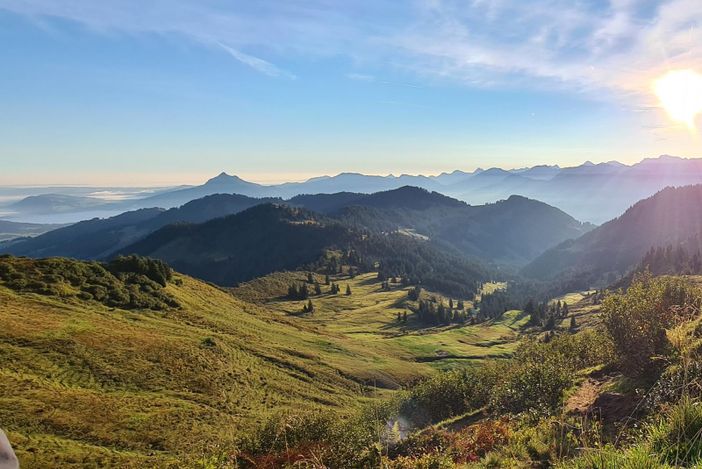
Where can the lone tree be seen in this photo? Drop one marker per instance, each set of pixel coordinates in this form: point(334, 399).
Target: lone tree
point(348, 290)
point(573, 324)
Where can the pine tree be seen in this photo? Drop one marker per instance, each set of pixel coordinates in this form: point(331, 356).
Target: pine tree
point(310, 306)
point(310, 277)
point(327, 280)
point(317, 289)
point(450, 303)
point(573, 324)
point(348, 290)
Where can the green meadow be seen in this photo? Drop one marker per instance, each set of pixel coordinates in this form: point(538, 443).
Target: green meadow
point(82, 383)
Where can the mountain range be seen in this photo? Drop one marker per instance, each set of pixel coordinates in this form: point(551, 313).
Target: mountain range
point(590, 192)
point(512, 231)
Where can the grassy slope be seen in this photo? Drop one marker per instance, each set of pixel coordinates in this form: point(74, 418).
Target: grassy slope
point(369, 316)
point(83, 384)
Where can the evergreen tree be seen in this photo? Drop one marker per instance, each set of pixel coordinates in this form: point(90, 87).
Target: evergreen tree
point(414, 293)
point(348, 290)
point(573, 324)
point(550, 323)
point(317, 289)
point(327, 280)
point(310, 277)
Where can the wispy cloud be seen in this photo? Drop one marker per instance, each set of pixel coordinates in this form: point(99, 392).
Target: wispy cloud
point(360, 77)
point(614, 47)
point(256, 63)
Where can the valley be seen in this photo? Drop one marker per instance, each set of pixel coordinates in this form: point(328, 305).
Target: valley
point(88, 384)
point(361, 330)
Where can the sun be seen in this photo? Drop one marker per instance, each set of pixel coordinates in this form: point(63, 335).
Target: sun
point(680, 93)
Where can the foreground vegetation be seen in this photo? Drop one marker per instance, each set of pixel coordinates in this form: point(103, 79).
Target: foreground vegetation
point(87, 383)
point(345, 372)
point(625, 394)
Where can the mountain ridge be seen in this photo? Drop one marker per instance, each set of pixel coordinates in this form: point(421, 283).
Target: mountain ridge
point(593, 192)
point(669, 217)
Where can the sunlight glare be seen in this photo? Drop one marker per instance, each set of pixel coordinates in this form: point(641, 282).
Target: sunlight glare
point(680, 93)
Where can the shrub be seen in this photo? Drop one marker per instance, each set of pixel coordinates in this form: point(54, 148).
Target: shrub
point(208, 342)
point(154, 269)
point(637, 320)
point(445, 395)
point(91, 281)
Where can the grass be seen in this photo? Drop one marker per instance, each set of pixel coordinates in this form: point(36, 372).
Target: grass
point(580, 305)
point(84, 384)
point(369, 315)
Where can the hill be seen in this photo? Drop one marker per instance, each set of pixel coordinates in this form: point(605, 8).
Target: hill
point(228, 250)
point(512, 231)
point(670, 217)
point(271, 237)
point(101, 238)
point(56, 203)
point(83, 383)
point(11, 230)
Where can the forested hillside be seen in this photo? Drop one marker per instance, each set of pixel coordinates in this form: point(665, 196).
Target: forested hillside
point(513, 231)
point(269, 238)
point(670, 217)
point(102, 238)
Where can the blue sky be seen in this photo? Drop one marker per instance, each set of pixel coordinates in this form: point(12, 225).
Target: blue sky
point(162, 92)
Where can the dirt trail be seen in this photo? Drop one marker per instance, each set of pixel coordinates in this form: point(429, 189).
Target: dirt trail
point(592, 400)
point(582, 400)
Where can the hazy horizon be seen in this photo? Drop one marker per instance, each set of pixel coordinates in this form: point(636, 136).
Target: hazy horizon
point(159, 180)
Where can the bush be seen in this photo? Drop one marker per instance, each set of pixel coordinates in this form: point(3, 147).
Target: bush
point(637, 320)
point(91, 280)
point(154, 269)
point(445, 395)
point(535, 379)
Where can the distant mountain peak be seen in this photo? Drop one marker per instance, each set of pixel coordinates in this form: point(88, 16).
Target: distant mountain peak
point(224, 178)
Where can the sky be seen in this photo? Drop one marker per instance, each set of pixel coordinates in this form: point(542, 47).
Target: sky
point(135, 92)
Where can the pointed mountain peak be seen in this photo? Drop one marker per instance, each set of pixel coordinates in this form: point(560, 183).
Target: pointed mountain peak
point(223, 178)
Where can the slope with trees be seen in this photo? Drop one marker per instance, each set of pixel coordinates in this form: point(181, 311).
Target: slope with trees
point(670, 217)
